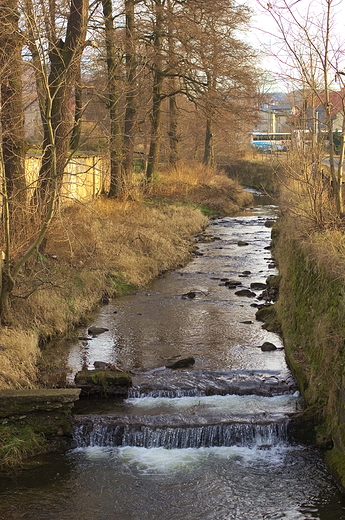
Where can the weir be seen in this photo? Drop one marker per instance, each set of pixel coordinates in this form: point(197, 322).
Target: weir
point(216, 435)
point(190, 422)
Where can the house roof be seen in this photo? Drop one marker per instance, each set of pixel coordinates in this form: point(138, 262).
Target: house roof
point(336, 99)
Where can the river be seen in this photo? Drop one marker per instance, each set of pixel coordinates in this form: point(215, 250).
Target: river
point(210, 441)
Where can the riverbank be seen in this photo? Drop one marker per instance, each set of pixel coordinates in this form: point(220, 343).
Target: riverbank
point(309, 247)
point(96, 252)
point(311, 310)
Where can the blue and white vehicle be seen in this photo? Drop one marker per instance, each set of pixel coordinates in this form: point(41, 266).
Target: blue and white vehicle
point(270, 142)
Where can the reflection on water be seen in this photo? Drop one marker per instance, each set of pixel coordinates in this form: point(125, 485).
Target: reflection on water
point(157, 484)
point(147, 328)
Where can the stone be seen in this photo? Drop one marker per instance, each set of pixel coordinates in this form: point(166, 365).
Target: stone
point(258, 286)
point(267, 346)
point(269, 223)
point(103, 382)
point(189, 296)
point(264, 312)
point(232, 284)
point(95, 331)
point(242, 243)
point(246, 292)
point(106, 366)
point(182, 363)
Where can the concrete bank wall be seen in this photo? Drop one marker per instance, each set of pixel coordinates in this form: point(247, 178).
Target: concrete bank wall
point(45, 411)
point(311, 309)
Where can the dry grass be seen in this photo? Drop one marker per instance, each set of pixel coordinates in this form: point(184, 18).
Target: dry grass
point(106, 247)
point(18, 355)
point(203, 186)
point(138, 241)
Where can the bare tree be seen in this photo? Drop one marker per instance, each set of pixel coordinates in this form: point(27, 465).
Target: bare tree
point(114, 62)
point(64, 60)
point(12, 115)
point(131, 90)
point(57, 84)
point(312, 63)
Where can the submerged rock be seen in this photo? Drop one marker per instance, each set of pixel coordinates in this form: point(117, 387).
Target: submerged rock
point(182, 363)
point(95, 331)
point(242, 243)
point(246, 292)
point(189, 295)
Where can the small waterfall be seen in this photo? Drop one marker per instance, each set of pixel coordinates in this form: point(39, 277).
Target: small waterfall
point(101, 431)
point(135, 393)
point(206, 436)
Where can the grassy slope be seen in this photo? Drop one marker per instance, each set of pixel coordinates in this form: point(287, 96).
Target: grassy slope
point(101, 249)
point(106, 248)
point(311, 309)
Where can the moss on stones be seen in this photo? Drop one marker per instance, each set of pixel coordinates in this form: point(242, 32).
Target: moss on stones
point(268, 315)
point(311, 311)
point(103, 382)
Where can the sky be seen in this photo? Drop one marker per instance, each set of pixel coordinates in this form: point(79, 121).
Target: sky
point(264, 33)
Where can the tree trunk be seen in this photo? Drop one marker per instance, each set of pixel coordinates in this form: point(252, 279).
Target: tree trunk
point(78, 112)
point(173, 136)
point(12, 114)
point(117, 187)
point(208, 159)
point(158, 77)
point(64, 64)
point(131, 93)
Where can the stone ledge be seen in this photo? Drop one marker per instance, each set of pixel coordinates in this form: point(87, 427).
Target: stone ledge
point(19, 402)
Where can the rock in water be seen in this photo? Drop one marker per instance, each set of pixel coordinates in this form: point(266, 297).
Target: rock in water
point(182, 363)
point(103, 382)
point(267, 346)
point(94, 331)
point(246, 292)
point(189, 295)
point(258, 286)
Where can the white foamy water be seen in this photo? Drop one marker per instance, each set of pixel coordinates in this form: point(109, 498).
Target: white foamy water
point(217, 403)
point(161, 460)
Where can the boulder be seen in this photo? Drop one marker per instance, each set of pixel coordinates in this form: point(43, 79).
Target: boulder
point(242, 243)
point(258, 286)
point(106, 366)
point(103, 381)
point(232, 284)
point(269, 223)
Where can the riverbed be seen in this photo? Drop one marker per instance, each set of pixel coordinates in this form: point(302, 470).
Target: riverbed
point(209, 441)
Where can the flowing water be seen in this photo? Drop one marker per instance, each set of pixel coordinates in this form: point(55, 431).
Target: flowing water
point(210, 441)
